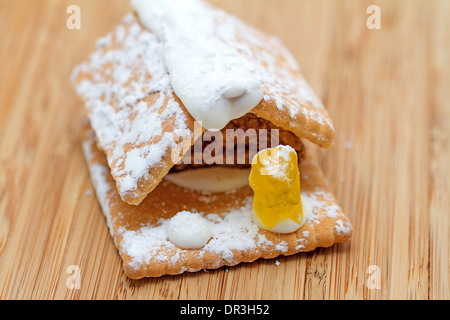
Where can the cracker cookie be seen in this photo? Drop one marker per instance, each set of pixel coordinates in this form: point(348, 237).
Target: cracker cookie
point(139, 232)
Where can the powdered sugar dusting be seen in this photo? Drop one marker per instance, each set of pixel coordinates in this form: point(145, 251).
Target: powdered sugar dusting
point(101, 185)
point(231, 231)
point(126, 68)
point(343, 227)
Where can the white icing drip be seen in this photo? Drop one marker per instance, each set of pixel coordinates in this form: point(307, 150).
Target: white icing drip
point(211, 179)
point(214, 81)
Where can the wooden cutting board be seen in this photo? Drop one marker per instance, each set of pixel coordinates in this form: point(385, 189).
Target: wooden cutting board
point(388, 91)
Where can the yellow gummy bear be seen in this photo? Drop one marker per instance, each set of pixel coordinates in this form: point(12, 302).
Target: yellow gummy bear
point(275, 180)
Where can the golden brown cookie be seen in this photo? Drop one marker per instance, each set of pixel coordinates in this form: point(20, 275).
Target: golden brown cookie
point(139, 232)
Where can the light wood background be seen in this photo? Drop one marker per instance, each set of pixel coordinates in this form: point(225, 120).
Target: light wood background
point(387, 90)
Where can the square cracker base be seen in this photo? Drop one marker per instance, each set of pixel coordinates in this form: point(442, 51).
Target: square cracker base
point(138, 231)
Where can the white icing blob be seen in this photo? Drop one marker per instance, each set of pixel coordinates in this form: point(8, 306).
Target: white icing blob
point(211, 179)
point(212, 79)
point(188, 230)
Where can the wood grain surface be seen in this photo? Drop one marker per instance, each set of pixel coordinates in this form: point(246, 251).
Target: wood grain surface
point(387, 90)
